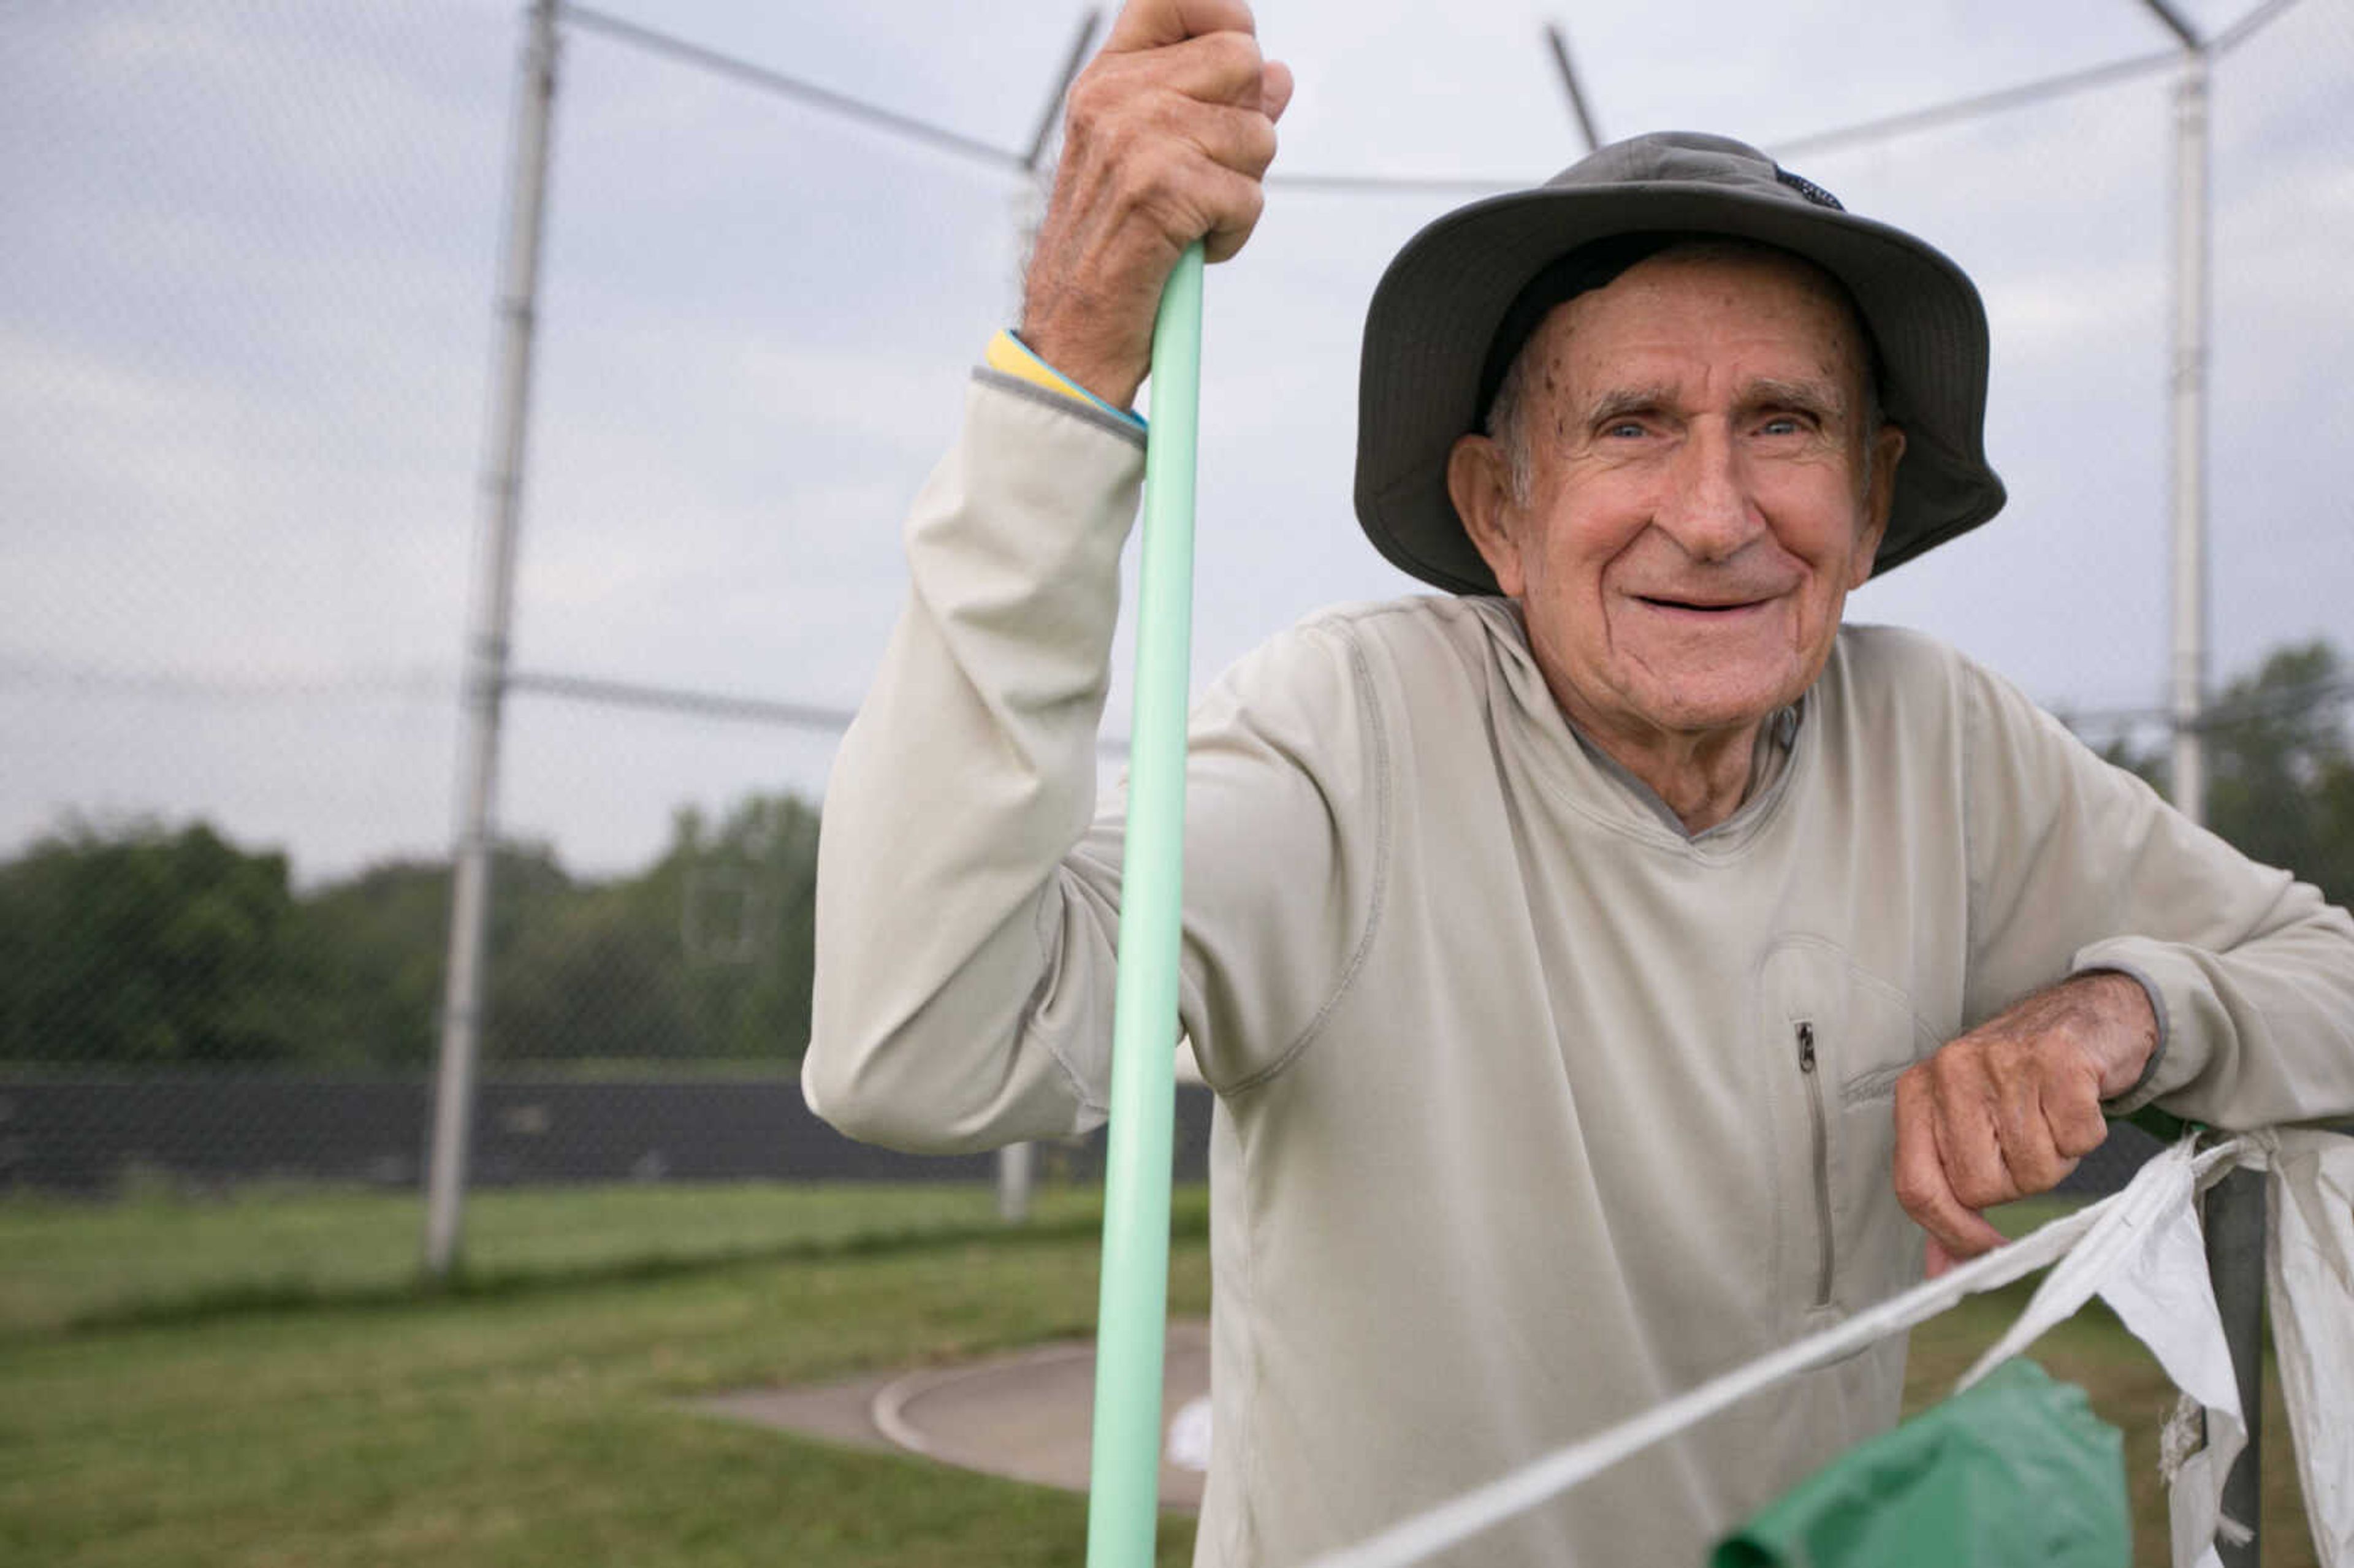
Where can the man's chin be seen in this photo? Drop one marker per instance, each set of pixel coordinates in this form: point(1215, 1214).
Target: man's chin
point(1709, 705)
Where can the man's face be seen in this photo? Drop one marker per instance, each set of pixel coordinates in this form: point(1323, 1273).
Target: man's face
point(1697, 505)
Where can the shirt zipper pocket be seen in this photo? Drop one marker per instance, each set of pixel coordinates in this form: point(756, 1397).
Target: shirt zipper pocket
point(1818, 1129)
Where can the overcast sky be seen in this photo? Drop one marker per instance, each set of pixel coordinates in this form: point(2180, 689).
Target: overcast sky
point(245, 346)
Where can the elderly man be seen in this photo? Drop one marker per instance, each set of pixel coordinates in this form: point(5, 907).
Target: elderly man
point(1603, 968)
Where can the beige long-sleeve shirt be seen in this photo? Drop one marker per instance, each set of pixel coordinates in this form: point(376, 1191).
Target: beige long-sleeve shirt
point(1533, 1110)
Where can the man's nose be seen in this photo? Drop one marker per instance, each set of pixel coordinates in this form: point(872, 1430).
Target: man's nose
point(1708, 509)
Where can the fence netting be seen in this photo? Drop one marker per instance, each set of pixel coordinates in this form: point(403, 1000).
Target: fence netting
point(245, 324)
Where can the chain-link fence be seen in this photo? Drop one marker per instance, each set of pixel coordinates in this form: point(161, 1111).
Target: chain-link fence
point(247, 310)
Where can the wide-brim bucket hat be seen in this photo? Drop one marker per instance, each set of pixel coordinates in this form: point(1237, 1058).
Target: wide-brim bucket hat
point(1436, 311)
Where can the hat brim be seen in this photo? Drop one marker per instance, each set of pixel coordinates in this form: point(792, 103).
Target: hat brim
point(1439, 304)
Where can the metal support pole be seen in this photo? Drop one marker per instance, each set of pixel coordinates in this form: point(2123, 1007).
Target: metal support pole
point(1051, 115)
point(1017, 1163)
point(1569, 84)
point(2235, 1211)
point(486, 646)
point(2234, 1216)
point(2234, 1220)
point(2189, 421)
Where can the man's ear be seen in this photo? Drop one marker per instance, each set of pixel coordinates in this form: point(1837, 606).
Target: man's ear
point(1480, 483)
point(1879, 498)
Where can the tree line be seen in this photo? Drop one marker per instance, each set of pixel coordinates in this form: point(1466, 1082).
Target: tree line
point(141, 947)
point(2280, 774)
point(147, 948)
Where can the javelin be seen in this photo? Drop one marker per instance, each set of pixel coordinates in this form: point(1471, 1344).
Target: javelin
point(1132, 1317)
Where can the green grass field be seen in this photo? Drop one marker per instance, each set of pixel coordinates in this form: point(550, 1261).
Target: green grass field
point(157, 1257)
point(257, 1382)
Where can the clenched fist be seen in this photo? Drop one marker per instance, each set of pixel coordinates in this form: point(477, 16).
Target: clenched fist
point(1167, 135)
point(2007, 1110)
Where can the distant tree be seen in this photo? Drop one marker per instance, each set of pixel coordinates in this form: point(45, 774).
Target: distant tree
point(142, 946)
point(740, 897)
point(372, 950)
point(591, 980)
point(707, 954)
point(2280, 769)
point(2281, 784)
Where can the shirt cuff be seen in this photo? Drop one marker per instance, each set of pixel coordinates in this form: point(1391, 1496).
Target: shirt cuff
point(1009, 355)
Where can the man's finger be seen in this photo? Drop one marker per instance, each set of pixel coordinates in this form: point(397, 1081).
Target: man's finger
point(1922, 1182)
point(1935, 1259)
point(1276, 86)
point(1966, 1123)
point(2032, 1161)
point(1240, 205)
point(1216, 67)
point(2073, 1115)
point(1150, 23)
point(1240, 140)
point(1967, 1234)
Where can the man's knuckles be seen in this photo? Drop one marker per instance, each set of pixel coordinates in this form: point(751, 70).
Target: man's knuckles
point(1924, 1186)
point(1221, 68)
point(1245, 143)
point(1157, 24)
point(1101, 103)
point(1237, 218)
point(2037, 1167)
point(1923, 1192)
point(1224, 68)
point(1982, 1177)
point(1181, 194)
point(1160, 141)
point(2080, 1131)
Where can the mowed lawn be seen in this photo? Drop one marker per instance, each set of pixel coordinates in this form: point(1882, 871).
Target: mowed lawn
point(158, 1257)
point(256, 1382)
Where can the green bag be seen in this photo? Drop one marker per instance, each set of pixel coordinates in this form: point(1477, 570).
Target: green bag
point(2017, 1470)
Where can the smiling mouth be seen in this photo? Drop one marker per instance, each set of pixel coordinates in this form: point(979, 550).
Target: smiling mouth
point(1691, 607)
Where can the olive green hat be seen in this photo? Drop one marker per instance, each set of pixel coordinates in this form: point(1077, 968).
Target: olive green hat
point(1436, 314)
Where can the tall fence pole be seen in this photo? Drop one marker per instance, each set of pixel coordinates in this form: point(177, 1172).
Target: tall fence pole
point(1570, 85)
point(2189, 432)
point(2234, 1218)
point(486, 646)
point(2233, 1213)
point(1017, 1163)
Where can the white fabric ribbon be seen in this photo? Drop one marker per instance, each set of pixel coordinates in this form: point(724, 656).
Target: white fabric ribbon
point(2142, 1250)
point(1469, 1513)
point(2147, 1260)
point(2309, 1270)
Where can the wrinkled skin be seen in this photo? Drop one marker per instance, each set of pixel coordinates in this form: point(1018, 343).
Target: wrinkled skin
point(2007, 1110)
point(1701, 494)
point(1166, 135)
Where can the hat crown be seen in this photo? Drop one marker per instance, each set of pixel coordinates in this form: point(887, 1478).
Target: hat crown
point(1692, 159)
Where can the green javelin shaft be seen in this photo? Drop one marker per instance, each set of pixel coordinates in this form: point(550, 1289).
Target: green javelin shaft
point(1131, 1321)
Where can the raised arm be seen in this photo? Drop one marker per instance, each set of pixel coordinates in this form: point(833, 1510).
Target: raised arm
point(964, 933)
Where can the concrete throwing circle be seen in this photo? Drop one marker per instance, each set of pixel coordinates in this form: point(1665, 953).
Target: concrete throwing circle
point(1028, 1415)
